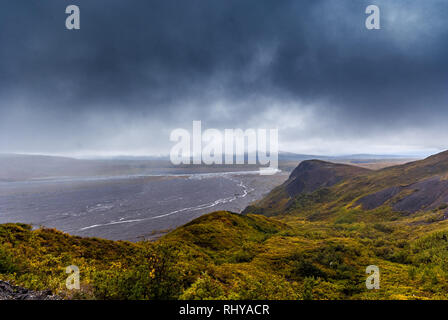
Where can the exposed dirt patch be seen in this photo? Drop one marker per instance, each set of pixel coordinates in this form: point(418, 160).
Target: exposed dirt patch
point(427, 194)
point(377, 199)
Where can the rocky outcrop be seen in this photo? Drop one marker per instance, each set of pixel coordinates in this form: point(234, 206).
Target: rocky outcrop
point(11, 292)
point(311, 175)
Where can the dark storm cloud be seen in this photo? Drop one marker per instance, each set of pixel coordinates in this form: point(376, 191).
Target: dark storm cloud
point(138, 69)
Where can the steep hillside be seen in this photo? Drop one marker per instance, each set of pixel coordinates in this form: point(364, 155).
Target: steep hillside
point(315, 174)
point(419, 186)
point(309, 176)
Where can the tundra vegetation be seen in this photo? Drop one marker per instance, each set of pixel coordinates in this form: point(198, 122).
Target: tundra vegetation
point(310, 238)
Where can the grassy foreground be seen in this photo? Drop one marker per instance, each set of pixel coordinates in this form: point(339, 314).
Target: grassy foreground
point(311, 238)
point(229, 256)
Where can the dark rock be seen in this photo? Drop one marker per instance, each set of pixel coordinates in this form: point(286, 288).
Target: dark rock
point(311, 175)
point(428, 194)
point(11, 292)
point(423, 195)
point(377, 199)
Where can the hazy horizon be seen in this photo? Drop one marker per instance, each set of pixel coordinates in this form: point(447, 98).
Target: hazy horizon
point(133, 73)
point(165, 156)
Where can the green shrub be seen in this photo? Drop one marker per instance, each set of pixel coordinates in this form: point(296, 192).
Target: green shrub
point(308, 286)
point(7, 261)
point(204, 288)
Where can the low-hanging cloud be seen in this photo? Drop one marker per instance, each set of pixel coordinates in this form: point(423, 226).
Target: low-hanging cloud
point(138, 69)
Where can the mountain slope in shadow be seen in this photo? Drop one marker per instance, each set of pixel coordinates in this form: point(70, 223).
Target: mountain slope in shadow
point(409, 188)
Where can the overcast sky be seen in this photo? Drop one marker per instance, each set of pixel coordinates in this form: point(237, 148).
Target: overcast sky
point(138, 69)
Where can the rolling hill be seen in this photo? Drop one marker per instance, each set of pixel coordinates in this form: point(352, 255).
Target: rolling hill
point(310, 238)
point(418, 186)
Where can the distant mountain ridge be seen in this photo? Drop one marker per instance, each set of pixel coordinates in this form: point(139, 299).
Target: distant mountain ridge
point(416, 186)
point(18, 167)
